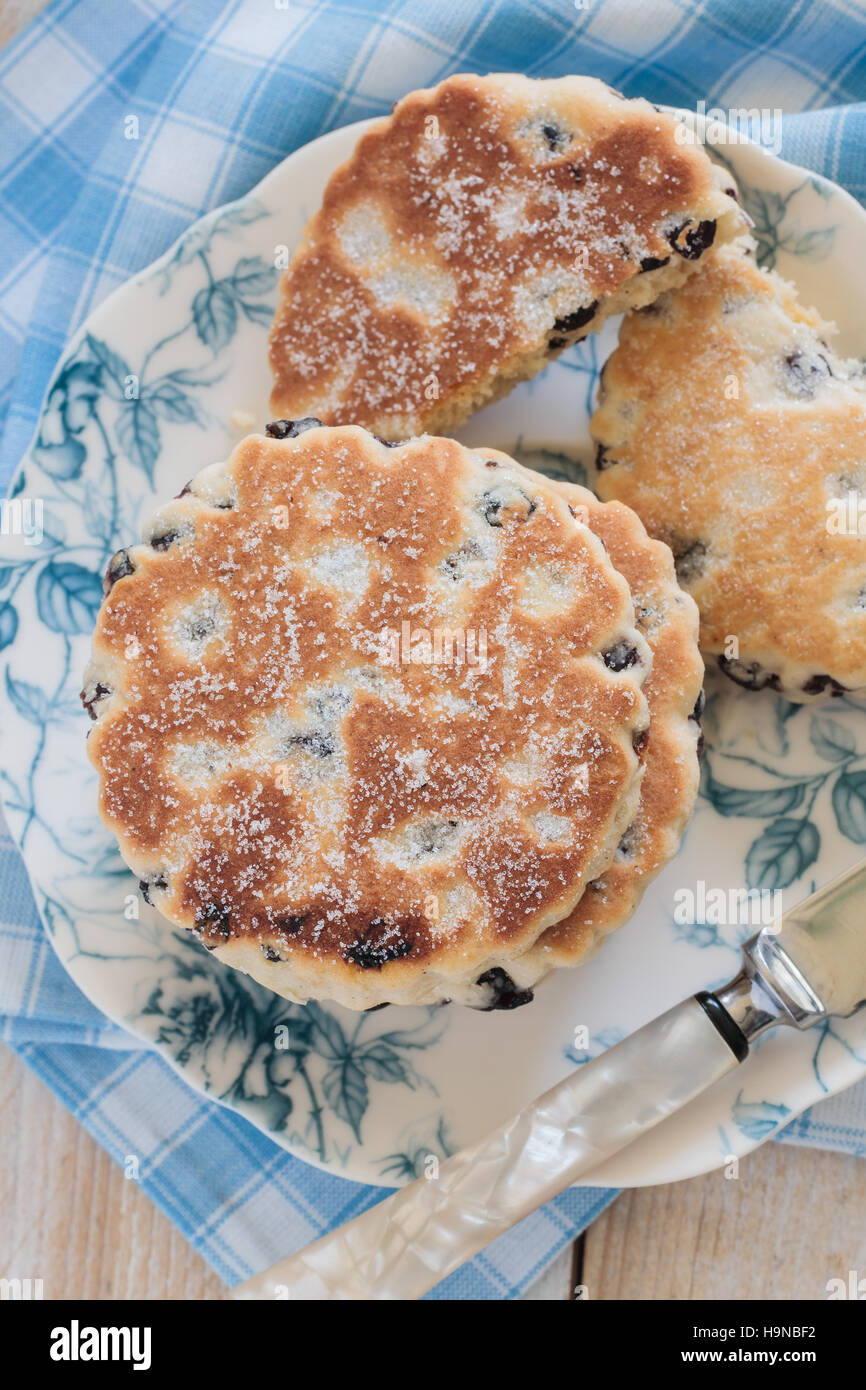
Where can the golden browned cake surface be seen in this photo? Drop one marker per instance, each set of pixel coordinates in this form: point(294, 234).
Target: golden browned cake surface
point(737, 435)
point(302, 762)
point(485, 225)
point(668, 619)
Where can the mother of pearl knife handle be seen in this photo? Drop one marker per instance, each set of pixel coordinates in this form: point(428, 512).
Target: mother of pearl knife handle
point(808, 965)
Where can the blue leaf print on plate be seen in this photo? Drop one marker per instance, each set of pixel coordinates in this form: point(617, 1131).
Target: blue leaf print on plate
point(776, 228)
point(830, 739)
point(789, 845)
point(830, 1038)
point(782, 853)
point(8, 617)
point(414, 1161)
point(215, 308)
point(701, 934)
point(552, 463)
point(171, 403)
point(31, 703)
point(849, 804)
point(758, 1119)
point(252, 277)
point(346, 1092)
point(68, 597)
point(743, 801)
point(216, 316)
point(115, 370)
point(138, 435)
point(200, 237)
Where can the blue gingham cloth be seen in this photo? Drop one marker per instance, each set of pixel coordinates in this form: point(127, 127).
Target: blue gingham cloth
point(222, 91)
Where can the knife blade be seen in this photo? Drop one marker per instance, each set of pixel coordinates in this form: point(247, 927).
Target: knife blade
point(801, 969)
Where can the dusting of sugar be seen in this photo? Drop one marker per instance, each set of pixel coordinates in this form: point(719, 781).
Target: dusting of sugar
point(427, 291)
point(295, 787)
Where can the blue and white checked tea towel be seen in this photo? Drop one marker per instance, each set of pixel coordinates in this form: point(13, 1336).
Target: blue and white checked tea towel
point(223, 89)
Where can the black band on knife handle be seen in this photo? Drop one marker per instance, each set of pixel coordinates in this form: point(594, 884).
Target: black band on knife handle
point(724, 1024)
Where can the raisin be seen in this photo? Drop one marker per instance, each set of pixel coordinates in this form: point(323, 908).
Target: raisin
point(508, 500)
point(653, 263)
point(628, 844)
point(201, 628)
point(817, 685)
point(504, 992)
point(689, 561)
point(751, 675)
point(151, 881)
point(433, 837)
point(162, 540)
point(454, 566)
point(371, 951)
point(213, 920)
point(690, 240)
point(805, 371)
point(333, 703)
point(318, 744)
point(621, 656)
point(601, 459)
point(100, 690)
point(224, 505)
point(290, 429)
point(290, 925)
point(119, 566)
point(270, 954)
point(554, 137)
point(570, 323)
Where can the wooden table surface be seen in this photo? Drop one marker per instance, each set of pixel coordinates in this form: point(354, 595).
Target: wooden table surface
point(69, 1217)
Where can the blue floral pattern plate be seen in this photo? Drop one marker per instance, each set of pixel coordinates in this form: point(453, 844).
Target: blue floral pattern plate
point(163, 379)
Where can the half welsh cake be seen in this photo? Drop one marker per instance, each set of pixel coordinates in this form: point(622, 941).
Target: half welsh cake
point(483, 227)
point(739, 437)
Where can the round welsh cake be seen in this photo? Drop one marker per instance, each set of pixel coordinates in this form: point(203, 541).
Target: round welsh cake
point(366, 716)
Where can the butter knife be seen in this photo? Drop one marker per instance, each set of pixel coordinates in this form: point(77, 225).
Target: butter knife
point(806, 966)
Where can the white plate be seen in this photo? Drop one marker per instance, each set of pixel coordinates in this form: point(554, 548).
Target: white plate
point(370, 1096)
